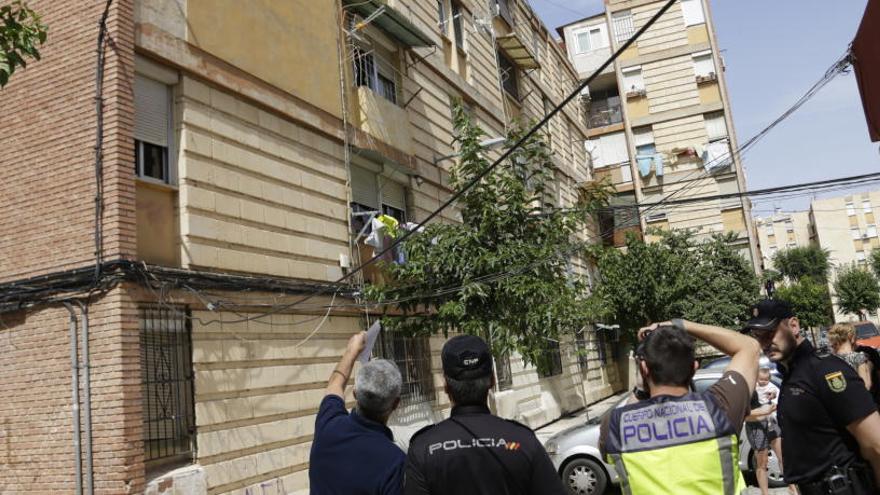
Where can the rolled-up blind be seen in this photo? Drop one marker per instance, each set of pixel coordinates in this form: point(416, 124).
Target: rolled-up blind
point(152, 111)
point(364, 189)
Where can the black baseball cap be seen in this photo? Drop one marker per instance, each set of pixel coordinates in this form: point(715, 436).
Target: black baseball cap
point(466, 357)
point(767, 314)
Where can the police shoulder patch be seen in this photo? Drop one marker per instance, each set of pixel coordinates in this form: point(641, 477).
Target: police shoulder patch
point(836, 381)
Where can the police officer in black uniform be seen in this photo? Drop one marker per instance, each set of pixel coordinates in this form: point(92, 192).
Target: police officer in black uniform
point(830, 425)
point(475, 452)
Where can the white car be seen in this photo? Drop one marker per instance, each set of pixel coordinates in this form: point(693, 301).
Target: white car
point(575, 451)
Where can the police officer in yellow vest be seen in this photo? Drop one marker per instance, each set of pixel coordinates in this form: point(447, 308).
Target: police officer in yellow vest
point(670, 440)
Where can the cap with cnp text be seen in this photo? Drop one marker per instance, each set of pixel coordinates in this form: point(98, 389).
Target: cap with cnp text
point(466, 357)
point(767, 314)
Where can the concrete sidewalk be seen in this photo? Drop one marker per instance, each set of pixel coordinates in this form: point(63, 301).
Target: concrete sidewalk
point(592, 411)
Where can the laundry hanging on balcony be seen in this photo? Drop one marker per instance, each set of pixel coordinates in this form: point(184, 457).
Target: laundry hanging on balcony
point(648, 161)
point(716, 155)
point(381, 227)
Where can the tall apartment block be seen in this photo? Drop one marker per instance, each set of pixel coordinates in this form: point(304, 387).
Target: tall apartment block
point(161, 343)
point(845, 226)
point(659, 120)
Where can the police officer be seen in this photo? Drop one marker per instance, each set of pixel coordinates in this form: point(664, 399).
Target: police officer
point(830, 425)
point(670, 440)
point(474, 452)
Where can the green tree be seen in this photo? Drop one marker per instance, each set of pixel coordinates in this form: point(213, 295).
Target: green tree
point(875, 262)
point(20, 33)
point(809, 300)
point(676, 277)
point(857, 290)
point(805, 261)
point(504, 272)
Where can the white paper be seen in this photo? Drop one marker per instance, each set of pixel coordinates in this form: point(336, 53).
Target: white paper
point(372, 333)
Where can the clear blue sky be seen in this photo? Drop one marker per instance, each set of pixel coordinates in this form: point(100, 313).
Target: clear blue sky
point(774, 51)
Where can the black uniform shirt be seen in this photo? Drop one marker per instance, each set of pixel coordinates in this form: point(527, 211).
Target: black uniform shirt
point(820, 396)
point(474, 452)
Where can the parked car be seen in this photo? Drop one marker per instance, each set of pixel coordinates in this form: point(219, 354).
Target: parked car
point(867, 334)
point(575, 451)
point(722, 363)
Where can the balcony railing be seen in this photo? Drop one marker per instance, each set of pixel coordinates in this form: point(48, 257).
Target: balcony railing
point(605, 112)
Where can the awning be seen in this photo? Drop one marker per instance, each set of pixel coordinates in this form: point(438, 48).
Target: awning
point(517, 51)
point(866, 61)
point(391, 20)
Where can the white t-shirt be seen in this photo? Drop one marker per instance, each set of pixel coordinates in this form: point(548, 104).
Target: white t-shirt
point(763, 392)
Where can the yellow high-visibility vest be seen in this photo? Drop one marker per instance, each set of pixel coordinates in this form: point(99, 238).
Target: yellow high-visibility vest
point(674, 445)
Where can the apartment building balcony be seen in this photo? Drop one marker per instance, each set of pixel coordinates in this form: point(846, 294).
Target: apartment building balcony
point(604, 112)
point(620, 176)
point(517, 43)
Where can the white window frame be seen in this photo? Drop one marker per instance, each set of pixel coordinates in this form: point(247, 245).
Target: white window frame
point(692, 12)
point(633, 75)
point(855, 233)
point(157, 74)
point(769, 230)
point(850, 209)
point(714, 121)
point(861, 257)
point(603, 38)
point(866, 206)
point(871, 230)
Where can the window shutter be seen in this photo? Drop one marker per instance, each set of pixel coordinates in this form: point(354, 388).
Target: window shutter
point(613, 149)
point(692, 11)
point(716, 128)
point(730, 186)
point(152, 111)
point(364, 189)
point(703, 64)
point(643, 136)
point(623, 25)
point(632, 79)
point(393, 194)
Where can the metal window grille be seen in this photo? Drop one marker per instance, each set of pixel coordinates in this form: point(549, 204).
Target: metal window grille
point(623, 26)
point(167, 380)
point(413, 357)
point(375, 73)
point(553, 358)
point(600, 346)
point(504, 376)
point(508, 73)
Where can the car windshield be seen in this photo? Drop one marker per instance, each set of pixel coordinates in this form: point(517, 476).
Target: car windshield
point(867, 331)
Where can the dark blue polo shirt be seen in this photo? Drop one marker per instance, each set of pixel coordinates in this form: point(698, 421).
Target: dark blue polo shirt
point(352, 455)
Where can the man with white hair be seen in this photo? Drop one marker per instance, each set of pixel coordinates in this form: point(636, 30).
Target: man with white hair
point(354, 453)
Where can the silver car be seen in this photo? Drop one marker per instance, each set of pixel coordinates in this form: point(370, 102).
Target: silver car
point(575, 451)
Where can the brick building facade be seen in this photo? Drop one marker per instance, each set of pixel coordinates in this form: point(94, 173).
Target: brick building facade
point(237, 144)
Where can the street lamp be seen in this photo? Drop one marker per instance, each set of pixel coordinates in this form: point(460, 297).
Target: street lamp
point(487, 144)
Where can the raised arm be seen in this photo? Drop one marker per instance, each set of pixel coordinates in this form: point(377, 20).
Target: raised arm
point(340, 375)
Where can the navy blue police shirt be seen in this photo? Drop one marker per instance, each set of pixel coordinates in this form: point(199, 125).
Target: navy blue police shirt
point(353, 455)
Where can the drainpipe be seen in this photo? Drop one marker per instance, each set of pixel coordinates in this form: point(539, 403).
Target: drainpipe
point(74, 407)
point(87, 399)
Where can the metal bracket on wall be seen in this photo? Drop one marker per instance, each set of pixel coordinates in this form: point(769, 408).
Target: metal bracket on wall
point(413, 97)
point(420, 58)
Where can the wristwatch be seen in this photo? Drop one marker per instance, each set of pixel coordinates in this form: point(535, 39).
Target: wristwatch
point(677, 323)
point(641, 394)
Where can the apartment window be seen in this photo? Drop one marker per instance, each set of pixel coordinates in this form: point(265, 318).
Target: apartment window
point(850, 208)
point(580, 342)
point(374, 193)
point(692, 11)
point(623, 25)
point(768, 229)
point(716, 127)
point(413, 357)
point(553, 359)
point(457, 30)
point(632, 81)
point(789, 226)
point(589, 39)
point(704, 65)
point(502, 8)
point(609, 149)
point(376, 73)
point(860, 257)
point(441, 15)
point(152, 129)
point(507, 71)
point(167, 385)
point(866, 206)
point(503, 374)
point(871, 231)
point(855, 233)
point(773, 250)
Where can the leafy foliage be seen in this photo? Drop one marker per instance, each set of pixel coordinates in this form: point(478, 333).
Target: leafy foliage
point(504, 272)
point(809, 300)
point(20, 32)
point(804, 261)
point(875, 261)
point(856, 289)
point(677, 277)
